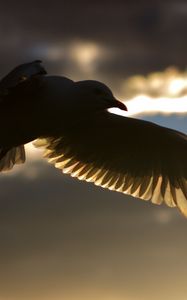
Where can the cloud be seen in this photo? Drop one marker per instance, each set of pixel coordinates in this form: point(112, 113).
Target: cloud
point(160, 92)
point(143, 38)
point(61, 238)
point(57, 232)
point(170, 83)
point(81, 58)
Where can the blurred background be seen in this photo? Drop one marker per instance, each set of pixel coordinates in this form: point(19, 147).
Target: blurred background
point(65, 239)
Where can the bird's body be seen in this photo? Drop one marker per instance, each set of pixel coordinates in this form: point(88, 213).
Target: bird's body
point(31, 112)
point(70, 119)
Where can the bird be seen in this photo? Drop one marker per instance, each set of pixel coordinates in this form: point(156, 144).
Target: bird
point(71, 122)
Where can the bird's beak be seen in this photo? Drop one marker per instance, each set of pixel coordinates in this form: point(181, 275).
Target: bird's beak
point(120, 105)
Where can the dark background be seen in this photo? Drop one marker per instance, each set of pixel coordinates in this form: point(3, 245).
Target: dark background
point(65, 239)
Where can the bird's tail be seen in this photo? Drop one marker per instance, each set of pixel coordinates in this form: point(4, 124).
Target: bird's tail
point(10, 157)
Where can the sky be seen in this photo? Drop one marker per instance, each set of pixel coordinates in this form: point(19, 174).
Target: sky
point(66, 239)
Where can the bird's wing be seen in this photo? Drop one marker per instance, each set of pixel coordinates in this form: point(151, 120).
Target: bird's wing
point(11, 157)
point(19, 75)
point(124, 154)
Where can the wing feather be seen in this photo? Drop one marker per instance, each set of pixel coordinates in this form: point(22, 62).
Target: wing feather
point(11, 157)
point(127, 155)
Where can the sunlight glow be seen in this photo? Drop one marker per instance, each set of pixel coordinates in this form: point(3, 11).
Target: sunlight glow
point(162, 92)
point(177, 85)
point(82, 55)
point(169, 83)
point(147, 105)
point(33, 153)
point(86, 54)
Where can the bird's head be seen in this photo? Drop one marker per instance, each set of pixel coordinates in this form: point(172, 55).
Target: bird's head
point(96, 96)
point(20, 75)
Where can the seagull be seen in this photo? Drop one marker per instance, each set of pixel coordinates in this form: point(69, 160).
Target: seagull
point(71, 121)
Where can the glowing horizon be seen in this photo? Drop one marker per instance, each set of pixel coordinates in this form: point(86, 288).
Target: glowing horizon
point(161, 92)
point(146, 105)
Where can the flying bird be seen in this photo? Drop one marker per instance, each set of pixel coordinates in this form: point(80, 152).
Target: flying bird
point(71, 121)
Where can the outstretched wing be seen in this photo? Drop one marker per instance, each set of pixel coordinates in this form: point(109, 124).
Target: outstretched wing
point(124, 154)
